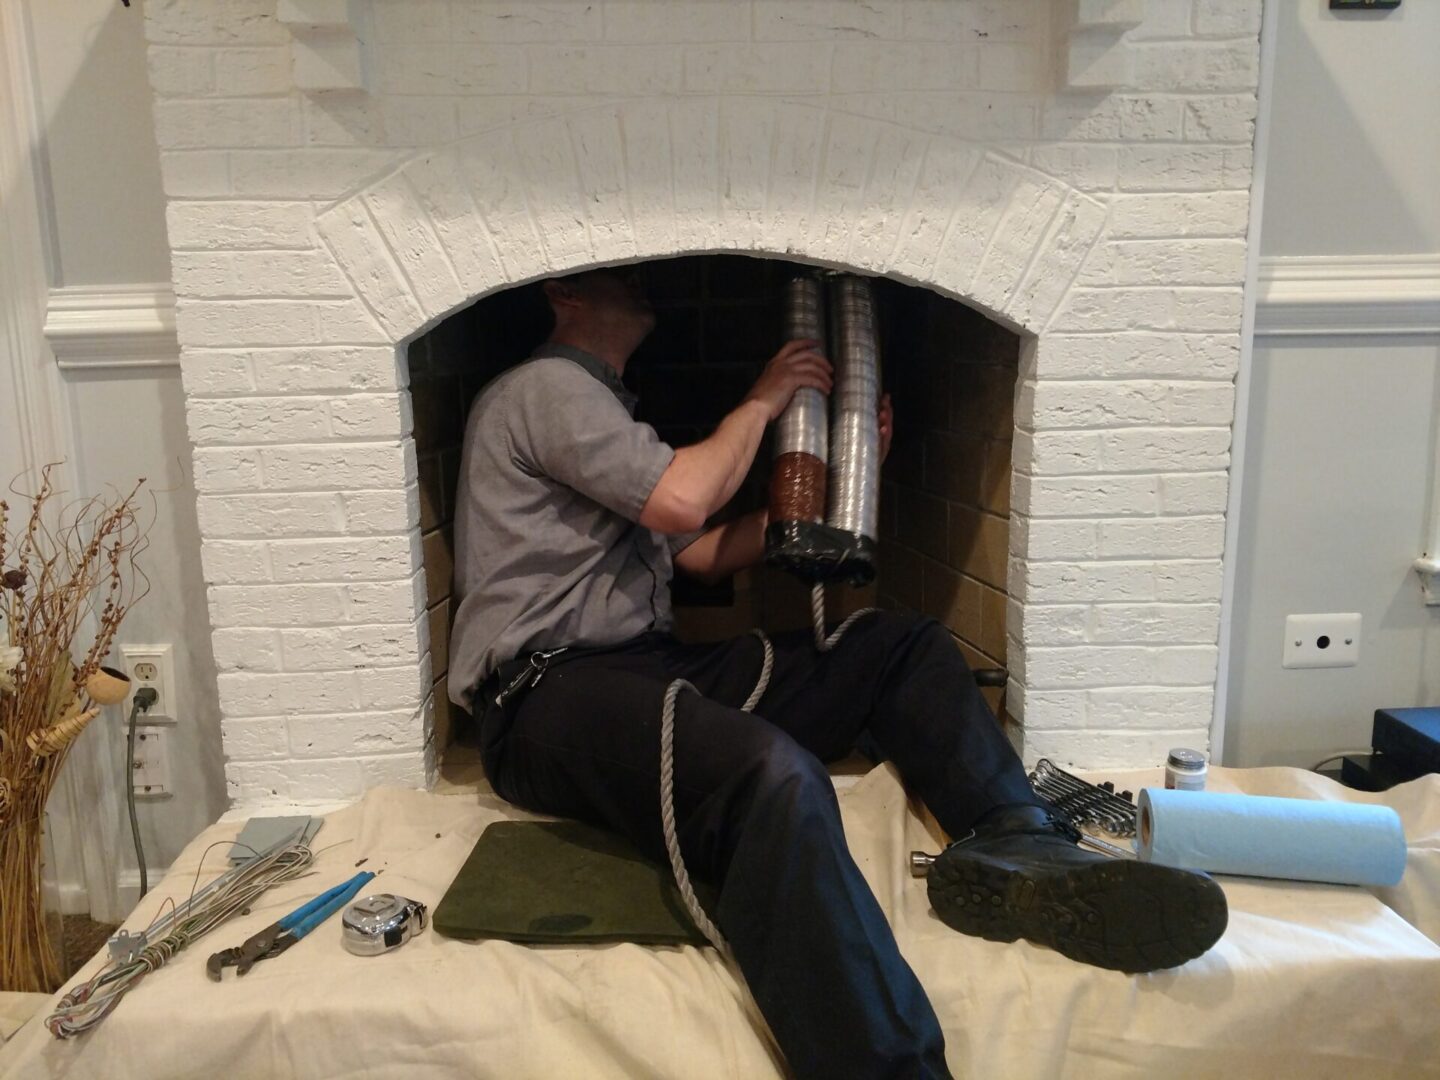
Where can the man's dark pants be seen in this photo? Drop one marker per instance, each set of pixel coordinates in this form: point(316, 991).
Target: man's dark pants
point(756, 809)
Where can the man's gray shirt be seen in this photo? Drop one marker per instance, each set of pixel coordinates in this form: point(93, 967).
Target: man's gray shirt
point(548, 551)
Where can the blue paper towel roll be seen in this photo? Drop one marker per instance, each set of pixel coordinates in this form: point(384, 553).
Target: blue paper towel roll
point(1263, 836)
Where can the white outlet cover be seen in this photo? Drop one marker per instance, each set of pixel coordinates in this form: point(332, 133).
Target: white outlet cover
point(162, 656)
point(152, 761)
point(1320, 641)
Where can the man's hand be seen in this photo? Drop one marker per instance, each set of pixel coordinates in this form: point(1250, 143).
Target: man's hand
point(797, 364)
point(887, 426)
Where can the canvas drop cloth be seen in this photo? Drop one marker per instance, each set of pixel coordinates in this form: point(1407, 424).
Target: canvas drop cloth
point(1309, 981)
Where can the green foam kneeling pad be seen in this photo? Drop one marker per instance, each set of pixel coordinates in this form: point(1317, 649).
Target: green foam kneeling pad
point(564, 883)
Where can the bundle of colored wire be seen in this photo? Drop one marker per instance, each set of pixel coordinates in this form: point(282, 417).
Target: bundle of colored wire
point(89, 1003)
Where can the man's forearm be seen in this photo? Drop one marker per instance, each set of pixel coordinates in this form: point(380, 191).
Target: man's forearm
point(726, 548)
point(703, 477)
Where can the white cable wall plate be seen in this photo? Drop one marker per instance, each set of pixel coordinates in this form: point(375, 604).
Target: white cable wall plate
point(1320, 641)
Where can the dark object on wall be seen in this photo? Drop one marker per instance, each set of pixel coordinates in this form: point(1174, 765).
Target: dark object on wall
point(1363, 5)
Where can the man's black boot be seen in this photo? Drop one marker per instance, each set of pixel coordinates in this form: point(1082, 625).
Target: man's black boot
point(1021, 874)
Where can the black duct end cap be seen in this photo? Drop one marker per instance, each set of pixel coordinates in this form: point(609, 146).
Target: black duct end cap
point(820, 553)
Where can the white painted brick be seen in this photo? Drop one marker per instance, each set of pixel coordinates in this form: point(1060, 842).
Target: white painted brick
point(246, 649)
point(1112, 118)
point(181, 72)
point(1195, 582)
point(414, 245)
point(1151, 707)
point(1183, 167)
point(394, 687)
point(887, 192)
point(1048, 539)
point(1159, 308)
point(1201, 213)
point(206, 373)
point(1090, 168)
point(202, 22)
point(1164, 19)
point(310, 370)
point(451, 211)
point(227, 122)
point(352, 734)
point(486, 167)
point(257, 274)
point(314, 605)
point(606, 69)
point(252, 71)
point(1118, 665)
point(746, 129)
point(256, 784)
point(349, 322)
point(255, 740)
point(226, 469)
point(1159, 624)
point(315, 174)
point(755, 69)
point(197, 173)
point(257, 420)
point(1227, 18)
point(385, 601)
point(1165, 449)
point(546, 158)
point(412, 770)
point(343, 779)
point(978, 116)
point(412, 20)
point(234, 562)
point(1013, 68)
point(227, 323)
point(1084, 496)
point(638, 21)
point(260, 516)
point(370, 512)
point(527, 20)
point(799, 134)
point(1055, 709)
point(989, 20)
point(694, 127)
point(1195, 493)
point(1228, 118)
point(1138, 355)
point(373, 558)
point(358, 247)
point(1097, 60)
point(1058, 405)
point(371, 416)
point(1032, 208)
point(1194, 65)
point(339, 468)
point(1174, 581)
point(977, 211)
point(338, 648)
point(256, 694)
point(1120, 14)
point(1048, 624)
point(210, 225)
point(824, 20)
point(863, 66)
point(1077, 225)
point(1184, 537)
point(1175, 262)
point(600, 155)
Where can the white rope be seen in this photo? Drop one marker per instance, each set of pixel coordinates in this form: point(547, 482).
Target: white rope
point(667, 759)
point(817, 614)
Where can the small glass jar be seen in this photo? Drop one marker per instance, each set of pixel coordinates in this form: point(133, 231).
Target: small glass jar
point(1185, 770)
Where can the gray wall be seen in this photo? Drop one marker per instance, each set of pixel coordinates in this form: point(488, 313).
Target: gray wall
point(107, 227)
point(1341, 439)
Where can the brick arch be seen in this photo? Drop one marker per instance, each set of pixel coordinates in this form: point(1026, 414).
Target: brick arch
point(656, 179)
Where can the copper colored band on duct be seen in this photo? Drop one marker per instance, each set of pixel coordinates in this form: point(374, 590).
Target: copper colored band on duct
point(797, 488)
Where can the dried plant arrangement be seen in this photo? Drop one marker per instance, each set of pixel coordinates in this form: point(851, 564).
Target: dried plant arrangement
point(68, 570)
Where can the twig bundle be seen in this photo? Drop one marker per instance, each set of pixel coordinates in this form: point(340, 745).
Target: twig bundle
point(66, 569)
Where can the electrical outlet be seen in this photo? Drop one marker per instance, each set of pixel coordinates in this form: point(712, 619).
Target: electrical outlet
point(152, 666)
point(1316, 641)
point(152, 761)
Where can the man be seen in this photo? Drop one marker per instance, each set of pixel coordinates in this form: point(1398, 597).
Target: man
point(571, 516)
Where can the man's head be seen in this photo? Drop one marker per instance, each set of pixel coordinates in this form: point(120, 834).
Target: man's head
point(604, 311)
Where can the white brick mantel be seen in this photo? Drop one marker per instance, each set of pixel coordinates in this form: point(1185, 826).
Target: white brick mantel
point(314, 234)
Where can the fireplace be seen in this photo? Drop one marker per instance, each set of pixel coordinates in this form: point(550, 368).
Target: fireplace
point(1065, 186)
